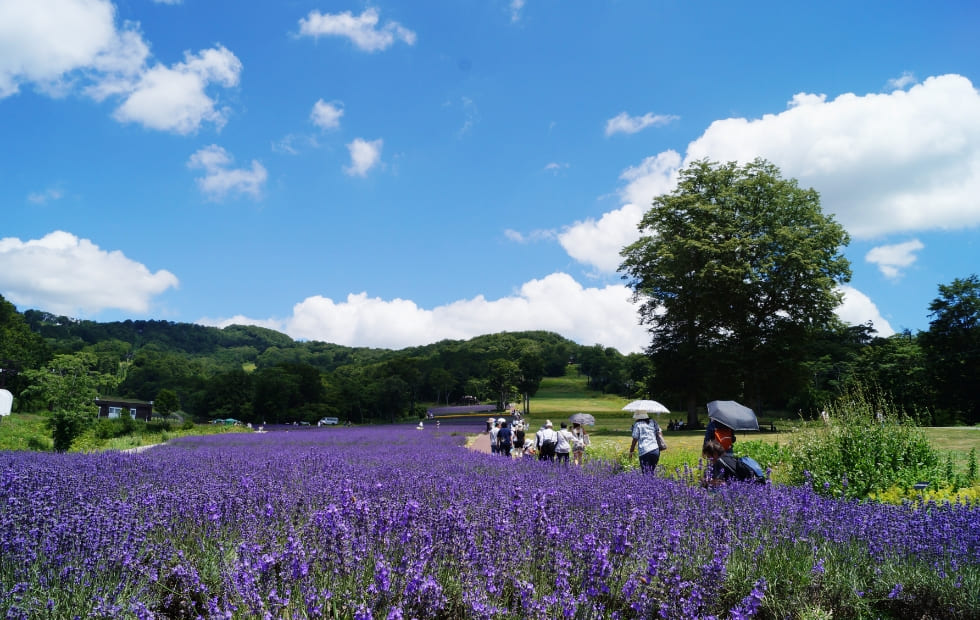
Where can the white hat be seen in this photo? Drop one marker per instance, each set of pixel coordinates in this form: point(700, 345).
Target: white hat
point(548, 424)
point(500, 420)
point(641, 415)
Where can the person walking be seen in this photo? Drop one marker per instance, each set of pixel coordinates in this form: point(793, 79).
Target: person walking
point(563, 449)
point(580, 439)
point(519, 437)
point(493, 436)
point(505, 440)
point(650, 440)
point(545, 440)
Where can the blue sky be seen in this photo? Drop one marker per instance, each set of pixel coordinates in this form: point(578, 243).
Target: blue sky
point(390, 174)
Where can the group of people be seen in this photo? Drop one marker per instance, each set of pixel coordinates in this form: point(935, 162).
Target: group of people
point(563, 445)
point(567, 445)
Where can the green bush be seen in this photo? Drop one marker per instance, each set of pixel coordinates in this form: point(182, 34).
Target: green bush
point(65, 427)
point(866, 446)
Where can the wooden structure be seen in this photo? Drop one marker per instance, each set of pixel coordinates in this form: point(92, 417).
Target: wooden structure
point(110, 407)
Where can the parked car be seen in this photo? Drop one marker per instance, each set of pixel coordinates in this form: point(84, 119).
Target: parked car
point(328, 422)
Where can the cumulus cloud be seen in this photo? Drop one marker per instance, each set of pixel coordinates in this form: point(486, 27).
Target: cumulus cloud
point(556, 303)
point(60, 46)
point(890, 163)
point(364, 155)
point(598, 242)
point(624, 123)
point(220, 179)
point(858, 309)
point(362, 30)
point(64, 274)
point(175, 98)
point(891, 259)
point(43, 41)
point(326, 115)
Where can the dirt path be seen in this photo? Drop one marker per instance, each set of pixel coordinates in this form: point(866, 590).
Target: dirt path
point(480, 443)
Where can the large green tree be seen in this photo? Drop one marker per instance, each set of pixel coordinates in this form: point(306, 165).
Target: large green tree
point(68, 386)
point(952, 347)
point(734, 270)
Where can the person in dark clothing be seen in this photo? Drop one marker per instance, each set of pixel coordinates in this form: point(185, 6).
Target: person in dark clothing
point(505, 440)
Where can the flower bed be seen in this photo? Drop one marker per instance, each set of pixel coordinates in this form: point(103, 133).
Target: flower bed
point(389, 522)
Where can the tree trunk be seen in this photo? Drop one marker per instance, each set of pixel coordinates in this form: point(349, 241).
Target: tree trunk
point(692, 410)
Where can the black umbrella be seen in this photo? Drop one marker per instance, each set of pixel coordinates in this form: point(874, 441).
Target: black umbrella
point(582, 418)
point(733, 415)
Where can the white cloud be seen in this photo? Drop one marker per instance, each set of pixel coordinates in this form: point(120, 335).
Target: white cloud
point(40, 198)
point(515, 10)
point(60, 46)
point(654, 176)
point(883, 163)
point(362, 30)
point(43, 41)
point(891, 259)
point(598, 243)
point(175, 98)
point(556, 303)
point(857, 309)
point(556, 167)
point(220, 179)
point(327, 115)
point(364, 155)
point(624, 123)
point(63, 274)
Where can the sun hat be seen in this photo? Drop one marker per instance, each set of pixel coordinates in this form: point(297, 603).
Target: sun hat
point(641, 415)
point(548, 424)
point(500, 420)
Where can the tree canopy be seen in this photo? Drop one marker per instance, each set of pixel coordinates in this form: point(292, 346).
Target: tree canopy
point(735, 269)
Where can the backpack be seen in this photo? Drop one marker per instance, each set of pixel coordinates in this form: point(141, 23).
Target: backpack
point(743, 468)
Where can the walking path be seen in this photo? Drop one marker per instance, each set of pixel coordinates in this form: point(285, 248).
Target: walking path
point(480, 443)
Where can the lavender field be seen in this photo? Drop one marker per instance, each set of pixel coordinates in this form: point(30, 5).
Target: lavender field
point(393, 522)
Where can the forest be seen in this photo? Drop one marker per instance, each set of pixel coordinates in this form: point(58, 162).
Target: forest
point(259, 375)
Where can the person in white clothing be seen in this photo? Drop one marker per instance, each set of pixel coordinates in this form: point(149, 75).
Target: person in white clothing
point(564, 447)
point(546, 440)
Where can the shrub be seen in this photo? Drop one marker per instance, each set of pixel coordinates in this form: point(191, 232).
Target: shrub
point(867, 446)
point(65, 427)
